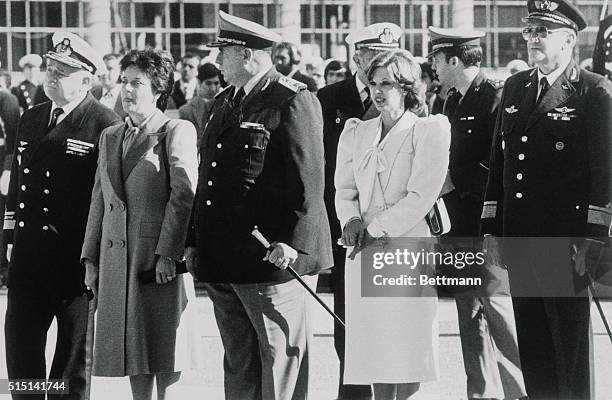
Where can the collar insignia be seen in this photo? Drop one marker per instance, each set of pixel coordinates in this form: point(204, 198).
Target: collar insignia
point(565, 110)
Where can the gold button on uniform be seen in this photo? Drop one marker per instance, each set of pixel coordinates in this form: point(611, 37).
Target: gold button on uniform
point(23, 188)
point(45, 228)
point(559, 146)
point(519, 195)
point(46, 191)
point(21, 205)
point(524, 139)
point(21, 224)
point(521, 157)
point(519, 176)
point(219, 145)
point(208, 202)
point(213, 164)
point(26, 171)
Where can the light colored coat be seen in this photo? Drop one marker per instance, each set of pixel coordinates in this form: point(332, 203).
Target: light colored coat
point(411, 169)
point(140, 209)
point(391, 185)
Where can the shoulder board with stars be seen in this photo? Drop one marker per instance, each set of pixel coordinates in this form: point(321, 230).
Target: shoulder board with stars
point(291, 84)
point(223, 91)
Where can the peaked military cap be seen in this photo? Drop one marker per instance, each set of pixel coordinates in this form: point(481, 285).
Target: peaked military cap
point(559, 12)
point(33, 60)
point(71, 50)
point(239, 31)
point(444, 38)
point(381, 36)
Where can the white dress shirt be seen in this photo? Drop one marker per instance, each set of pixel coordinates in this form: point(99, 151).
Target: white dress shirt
point(67, 108)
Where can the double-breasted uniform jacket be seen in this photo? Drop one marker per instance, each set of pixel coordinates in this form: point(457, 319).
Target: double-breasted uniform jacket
point(261, 165)
point(472, 122)
point(25, 93)
point(339, 102)
point(49, 193)
point(550, 170)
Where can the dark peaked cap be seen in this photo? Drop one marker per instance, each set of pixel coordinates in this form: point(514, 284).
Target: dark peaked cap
point(242, 32)
point(443, 38)
point(559, 12)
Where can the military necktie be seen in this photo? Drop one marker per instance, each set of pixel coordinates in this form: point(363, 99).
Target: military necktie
point(367, 102)
point(238, 97)
point(544, 86)
point(54, 116)
point(452, 99)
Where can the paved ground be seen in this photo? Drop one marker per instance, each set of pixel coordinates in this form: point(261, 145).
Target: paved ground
point(208, 384)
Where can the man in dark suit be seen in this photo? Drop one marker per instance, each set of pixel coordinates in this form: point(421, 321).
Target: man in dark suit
point(548, 194)
point(46, 213)
point(485, 314)
point(26, 90)
point(186, 88)
point(262, 166)
point(340, 101)
point(287, 57)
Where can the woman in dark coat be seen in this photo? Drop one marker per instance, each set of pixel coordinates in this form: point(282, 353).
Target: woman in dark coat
point(138, 218)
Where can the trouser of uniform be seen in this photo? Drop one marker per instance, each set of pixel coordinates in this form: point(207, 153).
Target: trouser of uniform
point(29, 314)
point(357, 392)
point(488, 338)
point(553, 337)
point(266, 330)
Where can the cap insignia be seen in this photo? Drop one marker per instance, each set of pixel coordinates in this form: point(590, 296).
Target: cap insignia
point(546, 5)
point(386, 36)
point(64, 47)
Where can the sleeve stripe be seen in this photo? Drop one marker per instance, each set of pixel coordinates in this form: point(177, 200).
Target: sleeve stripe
point(599, 216)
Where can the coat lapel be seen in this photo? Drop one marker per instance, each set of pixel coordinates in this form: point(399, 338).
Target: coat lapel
point(38, 125)
point(114, 145)
point(561, 90)
point(150, 135)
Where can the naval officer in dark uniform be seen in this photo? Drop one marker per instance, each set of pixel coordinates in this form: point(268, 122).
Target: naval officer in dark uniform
point(341, 101)
point(26, 90)
point(46, 213)
point(261, 165)
point(548, 188)
point(485, 314)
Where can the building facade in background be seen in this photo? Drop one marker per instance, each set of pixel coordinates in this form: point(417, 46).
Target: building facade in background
point(26, 26)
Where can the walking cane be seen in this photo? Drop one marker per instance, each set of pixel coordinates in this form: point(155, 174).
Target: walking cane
point(261, 239)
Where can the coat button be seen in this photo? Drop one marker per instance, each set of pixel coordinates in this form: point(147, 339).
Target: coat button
point(21, 205)
point(213, 164)
point(219, 145)
point(208, 202)
point(122, 207)
point(23, 188)
point(210, 183)
point(26, 171)
point(519, 176)
point(109, 243)
point(46, 191)
point(523, 139)
point(519, 195)
point(559, 146)
point(337, 120)
point(47, 174)
point(503, 145)
point(21, 224)
point(45, 209)
point(577, 207)
point(45, 228)
point(469, 131)
point(122, 243)
point(110, 207)
point(521, 156)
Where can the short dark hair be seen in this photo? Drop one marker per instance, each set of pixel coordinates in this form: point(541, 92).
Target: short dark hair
point(427, 70)
point(469, 55)
point(207, 71)
point(158, 66)
point(191, 55)
point(335, 65)
point(111, 56)
point(406, 71)
point(294, 53)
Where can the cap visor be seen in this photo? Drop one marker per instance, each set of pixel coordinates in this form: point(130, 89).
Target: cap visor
point(71, 62)
point(432, 53)
point(220, 44)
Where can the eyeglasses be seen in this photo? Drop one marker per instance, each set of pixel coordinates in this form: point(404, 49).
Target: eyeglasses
point(541, 32)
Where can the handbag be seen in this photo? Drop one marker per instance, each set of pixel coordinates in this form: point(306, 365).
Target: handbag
point(437, 218)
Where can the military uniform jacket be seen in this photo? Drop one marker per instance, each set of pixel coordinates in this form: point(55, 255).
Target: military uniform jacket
point(261, 165)
point(339, 102)
point(25, 93)
point(472, 122)
point(550, 165)
point(49, 194)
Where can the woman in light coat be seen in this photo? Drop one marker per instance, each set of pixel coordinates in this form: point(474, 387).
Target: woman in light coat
point(139, 214)
point(389, 173)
